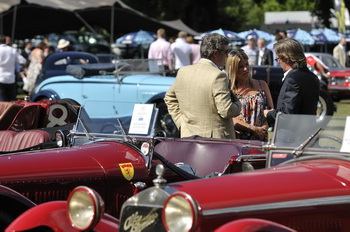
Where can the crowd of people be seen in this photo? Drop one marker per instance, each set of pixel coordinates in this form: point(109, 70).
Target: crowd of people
point(214, 94)
point(25, 63)
point(175, 53)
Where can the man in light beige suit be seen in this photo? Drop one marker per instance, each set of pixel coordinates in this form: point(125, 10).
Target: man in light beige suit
point(199, 100)
point(339, 52)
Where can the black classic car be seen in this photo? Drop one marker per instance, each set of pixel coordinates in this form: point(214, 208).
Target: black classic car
point(56, 63)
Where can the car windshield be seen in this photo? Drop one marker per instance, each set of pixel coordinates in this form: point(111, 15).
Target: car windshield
point(328, 60)
point(132, 66)
point(311, 132)
point(93, 123)
point(300, 137)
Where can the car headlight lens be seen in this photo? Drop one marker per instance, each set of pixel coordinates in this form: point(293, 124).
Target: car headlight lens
point(180, 213)
point(62, 138)
point(85, 208)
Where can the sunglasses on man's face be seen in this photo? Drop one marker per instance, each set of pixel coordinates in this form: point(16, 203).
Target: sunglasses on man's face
point(277, 59)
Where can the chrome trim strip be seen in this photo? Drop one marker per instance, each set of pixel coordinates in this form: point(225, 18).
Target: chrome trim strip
point(338, 88)
point(281, 205)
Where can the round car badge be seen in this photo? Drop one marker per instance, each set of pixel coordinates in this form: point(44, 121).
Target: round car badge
point(57, 115)
point(145, 148)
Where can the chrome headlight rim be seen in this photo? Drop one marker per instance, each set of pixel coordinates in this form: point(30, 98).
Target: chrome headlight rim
point(62, 138)
point(75, 203)
point(192, 204)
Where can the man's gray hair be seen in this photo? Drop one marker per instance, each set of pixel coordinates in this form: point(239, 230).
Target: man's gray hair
point(212, 42)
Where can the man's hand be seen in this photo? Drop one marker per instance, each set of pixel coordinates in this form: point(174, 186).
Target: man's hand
point(266, 112)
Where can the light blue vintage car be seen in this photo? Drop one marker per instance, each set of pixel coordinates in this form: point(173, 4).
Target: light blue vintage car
point(122, 85)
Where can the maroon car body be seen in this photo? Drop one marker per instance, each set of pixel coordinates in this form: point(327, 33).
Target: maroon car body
point(24, 115)
point(116, 165)
point(304, 187)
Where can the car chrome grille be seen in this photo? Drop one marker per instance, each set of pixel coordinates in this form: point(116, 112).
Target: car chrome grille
point(41, 197)
point(143, 219)
point(318, 225)
point(337, 81)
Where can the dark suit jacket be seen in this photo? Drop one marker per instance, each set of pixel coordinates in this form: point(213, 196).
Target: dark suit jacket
point(266, 59)
point(299, 94)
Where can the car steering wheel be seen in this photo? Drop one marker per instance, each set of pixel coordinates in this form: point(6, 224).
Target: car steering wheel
point(109, 125)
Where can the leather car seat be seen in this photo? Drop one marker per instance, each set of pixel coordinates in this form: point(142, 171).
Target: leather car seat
point(12, 141)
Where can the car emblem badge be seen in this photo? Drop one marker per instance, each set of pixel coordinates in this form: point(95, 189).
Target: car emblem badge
point(145, 148)
point(57, 115)
point(127, 170)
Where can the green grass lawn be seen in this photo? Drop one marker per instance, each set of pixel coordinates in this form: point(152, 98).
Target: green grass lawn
point(343, 108)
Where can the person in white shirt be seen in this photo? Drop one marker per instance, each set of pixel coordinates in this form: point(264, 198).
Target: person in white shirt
point(160, 49)
point(182, 51)
point(251, 50)
point(264, 56)
point(9, 56)
point(278, 37)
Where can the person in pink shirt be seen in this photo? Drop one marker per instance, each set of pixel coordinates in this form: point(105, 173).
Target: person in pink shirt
point(160, 49)
point(196, 53)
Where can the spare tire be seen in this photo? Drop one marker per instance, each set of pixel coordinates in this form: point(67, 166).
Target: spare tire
point(325, 104)
point(73, 108)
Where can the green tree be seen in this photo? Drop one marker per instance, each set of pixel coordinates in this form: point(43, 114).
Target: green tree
point(323, 12)
point(233, 15)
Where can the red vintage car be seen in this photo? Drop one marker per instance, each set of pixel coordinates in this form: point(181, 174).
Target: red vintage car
point(339, 83)
point(117, 160)
point(304, 187)
point(24, 115)
point(26, 126)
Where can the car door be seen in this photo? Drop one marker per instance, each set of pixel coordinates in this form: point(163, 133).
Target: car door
point(97, 89)
point(125, 95)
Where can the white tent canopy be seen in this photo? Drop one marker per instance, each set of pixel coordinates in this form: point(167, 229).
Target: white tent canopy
point(60, 4)
point(179, 25)
point(77, 6)
point(4, 6)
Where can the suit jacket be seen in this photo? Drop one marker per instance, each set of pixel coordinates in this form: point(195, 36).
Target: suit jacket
point(339, 54)
point(200, 103)
point(299, 94)
point(266, 59)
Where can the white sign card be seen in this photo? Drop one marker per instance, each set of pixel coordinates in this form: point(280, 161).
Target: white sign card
point(346, 138)
point(141, 118)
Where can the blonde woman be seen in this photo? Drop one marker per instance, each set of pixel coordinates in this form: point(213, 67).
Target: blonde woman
point(254, 96)
point(36, 59)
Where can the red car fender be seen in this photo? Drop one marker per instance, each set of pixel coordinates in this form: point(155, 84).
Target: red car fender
point(54, 215)
point(253, 225)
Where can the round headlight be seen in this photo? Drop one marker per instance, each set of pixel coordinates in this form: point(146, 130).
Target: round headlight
point(85, 208)
point(62, 138)
point(180, 213)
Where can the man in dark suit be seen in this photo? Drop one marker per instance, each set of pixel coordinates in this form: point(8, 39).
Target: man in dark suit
point(264, 55)
point(300, 90)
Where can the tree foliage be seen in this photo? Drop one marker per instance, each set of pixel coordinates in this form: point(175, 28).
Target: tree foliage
point(228, 14)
